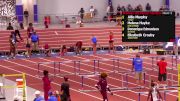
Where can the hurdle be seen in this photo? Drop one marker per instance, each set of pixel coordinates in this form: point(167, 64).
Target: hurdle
point(44, 63)
point(143, 74)
point(95, 67)
point(163, 91)
point(76, 64)
point(124, 86)
point(21, 85)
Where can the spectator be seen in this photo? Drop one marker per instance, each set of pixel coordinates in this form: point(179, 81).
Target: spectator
point(17, 27)
point(52, 97)
point(47, 50)
point(79, 22)
point(82, 12)
point(92, 11)
point(137, 66)
point(177, 15)
point(166, 8)
point(26, 15)
point(35, 42)
point(16, 24)
point(118, 19)
point(111, 42)
point(111, 11)
point(46, 84)
point(38, 96)
point(118, 10)
point(65, 90)
point(94, 43)
point(30, 30)
point(78, 47)
point(21, 26)
point(129, 7)
point(46, 24)
point(63, 50)
point(161, 8)
point(154, 93)
point(162, 64)
point(57, 94)
point(102, 86)
point(139, 8)
point(108, 10)
point(10, 27)
point(148, 7)
point(123, 9)
point(28, 47)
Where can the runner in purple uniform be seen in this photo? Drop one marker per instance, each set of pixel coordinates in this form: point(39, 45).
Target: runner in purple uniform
point(103, 87)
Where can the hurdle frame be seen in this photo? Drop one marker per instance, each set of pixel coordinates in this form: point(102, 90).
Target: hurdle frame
point(23, 75)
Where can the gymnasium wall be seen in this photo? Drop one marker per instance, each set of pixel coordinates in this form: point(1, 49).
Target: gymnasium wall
point(69, 7)
point(155, 4)
point(59, 7)
point(175, 5)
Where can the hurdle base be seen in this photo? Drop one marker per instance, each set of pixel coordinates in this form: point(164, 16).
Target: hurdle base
point(2, 98)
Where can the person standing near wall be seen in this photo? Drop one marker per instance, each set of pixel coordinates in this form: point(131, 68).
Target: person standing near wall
point(26, 16)
point(9, 27)
point(17, 28)
point(82, 12)
point(148, 7)
point(92, 11)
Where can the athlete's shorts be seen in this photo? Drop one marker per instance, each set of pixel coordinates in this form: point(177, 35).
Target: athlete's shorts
point(138, 75)
point(162, 76)
point(111, 41)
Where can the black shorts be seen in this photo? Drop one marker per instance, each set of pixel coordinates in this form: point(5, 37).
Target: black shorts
point(28, 46)
point(162, 76)
point(111, 41)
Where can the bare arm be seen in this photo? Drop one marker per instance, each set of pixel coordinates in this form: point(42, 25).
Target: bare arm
point(109, 90)
point(133, 65)
point(97, 86)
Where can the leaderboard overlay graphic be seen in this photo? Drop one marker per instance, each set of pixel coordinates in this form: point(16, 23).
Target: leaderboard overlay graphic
point(148, 26)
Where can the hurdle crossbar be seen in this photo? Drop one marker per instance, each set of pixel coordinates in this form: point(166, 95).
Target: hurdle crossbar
point(164, 91)
point(114, 89)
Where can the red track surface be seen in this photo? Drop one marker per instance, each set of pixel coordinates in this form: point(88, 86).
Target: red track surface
point(29, 66)
point(64, 36)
